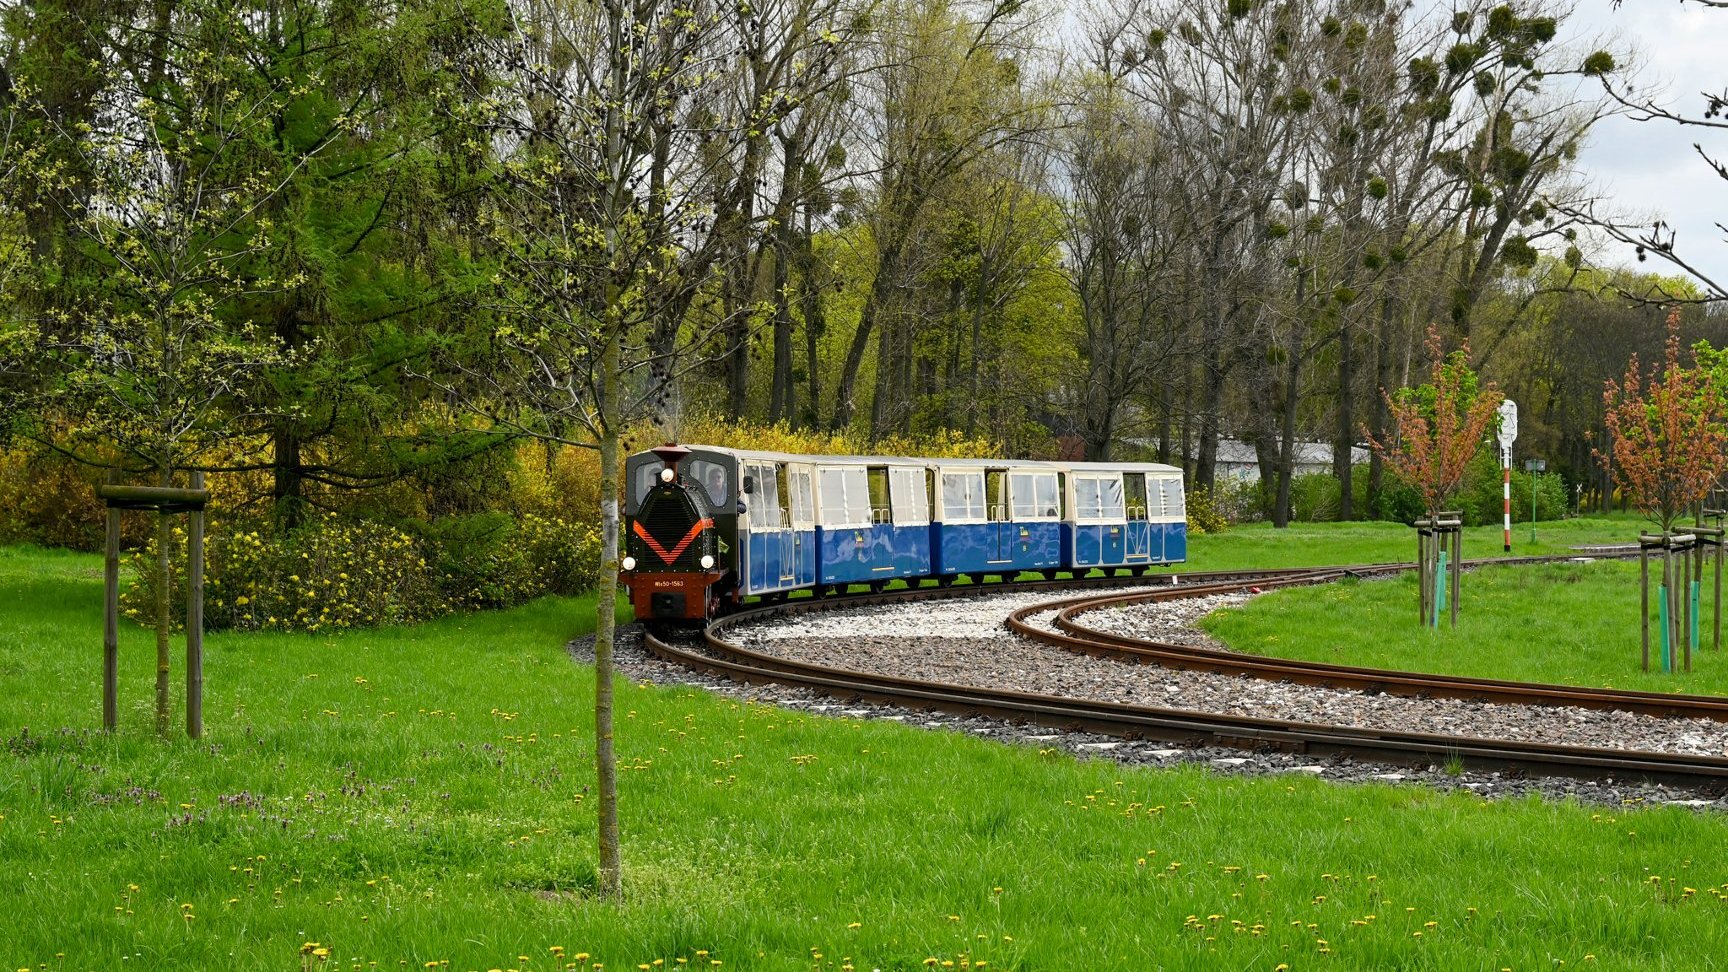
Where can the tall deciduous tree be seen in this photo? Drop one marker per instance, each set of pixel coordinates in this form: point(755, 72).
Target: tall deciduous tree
point(622, 164)
point(1127, 235)
point(148, 361)
point(1710, 111)
point(951, 86)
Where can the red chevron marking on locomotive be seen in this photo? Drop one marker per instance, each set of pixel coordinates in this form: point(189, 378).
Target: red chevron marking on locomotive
point(654, 544)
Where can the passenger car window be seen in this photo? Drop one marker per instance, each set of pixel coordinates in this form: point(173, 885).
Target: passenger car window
point(857, 496)
point(1049, 503)
point(764, 503)
point(963, 496)
point(906, 491)
point(1113, 498)
point(1025, 495)
point(1087, 498)
point(833, 483)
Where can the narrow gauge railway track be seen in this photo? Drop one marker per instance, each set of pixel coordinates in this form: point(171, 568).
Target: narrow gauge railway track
point(1071, 634)
point(732, 661)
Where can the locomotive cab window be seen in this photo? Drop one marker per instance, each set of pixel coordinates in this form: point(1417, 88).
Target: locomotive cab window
point(711, 476)
point(647, 474)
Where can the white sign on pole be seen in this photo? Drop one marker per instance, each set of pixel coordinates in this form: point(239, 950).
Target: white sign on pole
point(1508, 423)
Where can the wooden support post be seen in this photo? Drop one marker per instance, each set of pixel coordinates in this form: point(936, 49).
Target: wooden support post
point(1422, 571)
point(195, 618)
point(1644, 599)
point(111, 618)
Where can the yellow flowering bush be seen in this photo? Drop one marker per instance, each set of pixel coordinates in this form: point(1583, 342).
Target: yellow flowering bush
point(328, 573)
point(1203, 513)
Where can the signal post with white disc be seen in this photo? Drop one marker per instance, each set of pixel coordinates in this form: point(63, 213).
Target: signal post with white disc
point(1508, 433)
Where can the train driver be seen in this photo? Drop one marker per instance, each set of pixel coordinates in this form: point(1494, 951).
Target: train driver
point(716, 485)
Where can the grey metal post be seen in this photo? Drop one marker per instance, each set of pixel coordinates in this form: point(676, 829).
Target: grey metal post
point(1457, 569)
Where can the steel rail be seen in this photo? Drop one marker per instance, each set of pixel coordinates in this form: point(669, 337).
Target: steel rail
point(729, 660)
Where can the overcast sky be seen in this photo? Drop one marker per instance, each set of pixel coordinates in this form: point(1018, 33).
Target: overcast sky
point(1651, 167)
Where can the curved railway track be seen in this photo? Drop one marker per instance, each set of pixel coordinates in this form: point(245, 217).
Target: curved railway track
point(719, 656)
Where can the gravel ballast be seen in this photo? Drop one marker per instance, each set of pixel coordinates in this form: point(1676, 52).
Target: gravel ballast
point(964, 641)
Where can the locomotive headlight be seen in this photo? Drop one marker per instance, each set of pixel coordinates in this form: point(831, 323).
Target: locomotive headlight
point(667, 475)
point(707, 561)
point(629, 563)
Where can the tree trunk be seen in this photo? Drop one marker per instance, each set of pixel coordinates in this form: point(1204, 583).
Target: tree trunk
point(973, 371)
point(739, 288)
point(287, 479)
point(1344, 442)
point(1378, 416)
point(810, 298)
point(1287, 425)
point(844, 406)
point(780, 392)
point(288, 486)
point(1211, 396)
point(605, 625)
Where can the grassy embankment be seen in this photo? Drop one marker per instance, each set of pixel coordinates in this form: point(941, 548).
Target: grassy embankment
point(1575, 624)
point(417, 798)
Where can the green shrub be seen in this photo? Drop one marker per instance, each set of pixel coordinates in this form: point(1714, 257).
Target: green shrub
point(1399, 501)
point(494, 560)
point(1316, 497)
point(1484, 503)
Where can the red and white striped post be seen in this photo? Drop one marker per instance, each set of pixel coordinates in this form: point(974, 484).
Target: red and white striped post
point(1507, 434)
point(1506, 494)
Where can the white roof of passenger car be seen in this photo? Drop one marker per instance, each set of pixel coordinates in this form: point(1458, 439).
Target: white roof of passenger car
point(1147, 467)
point(753, 455)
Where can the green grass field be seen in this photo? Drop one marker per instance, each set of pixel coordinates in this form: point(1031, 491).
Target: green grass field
point(419, 798)
point(1575, 624)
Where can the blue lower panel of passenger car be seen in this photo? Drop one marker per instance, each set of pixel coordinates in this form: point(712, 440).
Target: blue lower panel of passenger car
point(1101, 545)
point(778, 561)
point(860, 554)
point(1175, 541)
point(992, 548)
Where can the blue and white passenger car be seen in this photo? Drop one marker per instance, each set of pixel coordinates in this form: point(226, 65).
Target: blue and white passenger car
point(1124, 515)
point(996, 517)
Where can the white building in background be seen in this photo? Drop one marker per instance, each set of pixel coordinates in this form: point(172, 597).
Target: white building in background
point(1238, 460)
